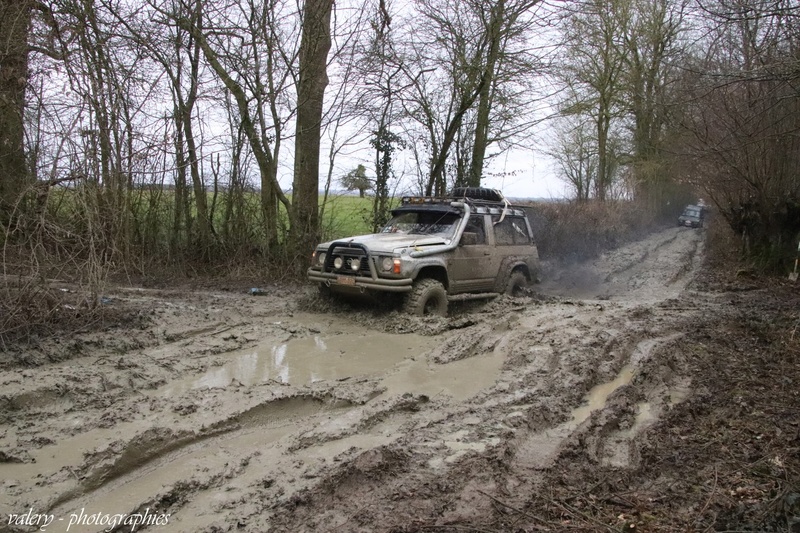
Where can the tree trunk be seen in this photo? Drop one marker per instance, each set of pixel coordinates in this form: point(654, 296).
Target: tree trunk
point(602, 156)
point(181, 223)
point(314, 46)
point(15, 21)
point(269, 204)
point(485, 97)
point(198, 186)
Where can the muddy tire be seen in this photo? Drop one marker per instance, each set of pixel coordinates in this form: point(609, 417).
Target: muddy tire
point(428, 297)
point(517, 284)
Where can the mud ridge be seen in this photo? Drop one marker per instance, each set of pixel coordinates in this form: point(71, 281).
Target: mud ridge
point(364, 420)
point(157, 447)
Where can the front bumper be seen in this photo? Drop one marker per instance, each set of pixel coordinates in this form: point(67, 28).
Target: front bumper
point(364, 277)
point(349, 282)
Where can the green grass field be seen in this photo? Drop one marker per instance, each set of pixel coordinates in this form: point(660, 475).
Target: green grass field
point(152, 214)
point(345, 215)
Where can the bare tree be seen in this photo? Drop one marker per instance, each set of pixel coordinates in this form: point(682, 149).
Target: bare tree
point(594, 61)
point(653, 50)
point(743, 122)
point(458, 62)
point(104, 71)
point(251, 74)
point(508, 24)
point(383, 73)
point(575, 151)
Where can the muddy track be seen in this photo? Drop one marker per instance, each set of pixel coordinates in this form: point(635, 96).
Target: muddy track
point(283, 413)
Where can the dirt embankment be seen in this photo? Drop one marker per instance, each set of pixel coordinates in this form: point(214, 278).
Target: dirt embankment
point(631, 393)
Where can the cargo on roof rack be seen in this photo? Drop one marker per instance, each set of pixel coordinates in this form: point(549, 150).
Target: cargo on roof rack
point(478, 193)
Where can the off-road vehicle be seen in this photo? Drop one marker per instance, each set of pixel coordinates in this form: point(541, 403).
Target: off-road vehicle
point(470, 244)
point(693, 216)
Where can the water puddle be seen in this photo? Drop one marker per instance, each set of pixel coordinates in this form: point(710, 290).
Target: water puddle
point(598, 396)
point(460, 379)
point(307, 360)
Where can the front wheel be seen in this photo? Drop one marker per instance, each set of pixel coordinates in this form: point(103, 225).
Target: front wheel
point(428, 297)
point(517, 284)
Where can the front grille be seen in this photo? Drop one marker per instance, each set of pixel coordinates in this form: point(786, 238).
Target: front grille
point(347, 253)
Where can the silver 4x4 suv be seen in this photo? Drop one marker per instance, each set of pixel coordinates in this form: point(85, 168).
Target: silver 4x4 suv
point(470, 244)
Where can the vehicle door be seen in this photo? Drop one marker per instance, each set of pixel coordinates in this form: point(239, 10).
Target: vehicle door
point(473, 266)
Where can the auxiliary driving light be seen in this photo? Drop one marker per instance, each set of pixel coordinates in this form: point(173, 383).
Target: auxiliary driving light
point(338, 262)
point(355, 264)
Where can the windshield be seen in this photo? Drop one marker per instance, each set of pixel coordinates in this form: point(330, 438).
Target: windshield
point(692, 213)
point(434, 223)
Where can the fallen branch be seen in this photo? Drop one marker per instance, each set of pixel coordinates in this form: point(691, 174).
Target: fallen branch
point(589, 518)
point(520, 511)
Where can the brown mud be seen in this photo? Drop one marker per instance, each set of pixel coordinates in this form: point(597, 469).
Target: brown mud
point(634, 393)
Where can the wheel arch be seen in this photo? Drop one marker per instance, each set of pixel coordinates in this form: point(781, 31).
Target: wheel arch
point(437, 272)
point(507, 269)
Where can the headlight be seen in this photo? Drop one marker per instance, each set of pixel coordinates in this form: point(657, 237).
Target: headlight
point(321, 258)
point(355, 264)
point(386, 264)
point(338, 262)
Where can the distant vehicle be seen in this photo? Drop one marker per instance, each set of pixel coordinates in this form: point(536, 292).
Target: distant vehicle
point(471, 243)
point(693, 216)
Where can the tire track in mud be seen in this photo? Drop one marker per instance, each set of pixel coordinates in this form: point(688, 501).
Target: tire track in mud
point(169, 464)
point(539, 448)
point(648, 271)
point(630, 385)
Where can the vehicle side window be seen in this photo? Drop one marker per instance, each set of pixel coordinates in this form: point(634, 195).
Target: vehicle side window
point(476, 225)
point(511, 230)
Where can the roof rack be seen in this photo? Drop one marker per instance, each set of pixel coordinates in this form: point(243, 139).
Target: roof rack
point(483, 200)
point(472, 195)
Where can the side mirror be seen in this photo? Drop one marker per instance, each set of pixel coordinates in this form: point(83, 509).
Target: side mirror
point(468, 238)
